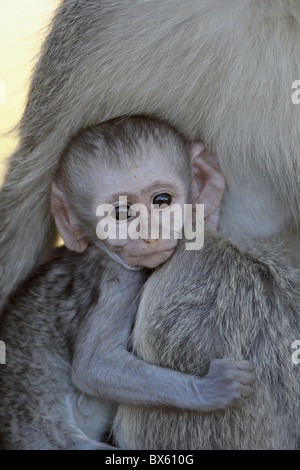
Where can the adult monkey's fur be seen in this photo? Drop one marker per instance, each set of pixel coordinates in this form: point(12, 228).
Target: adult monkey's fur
point(219, 70)
point(250, 310)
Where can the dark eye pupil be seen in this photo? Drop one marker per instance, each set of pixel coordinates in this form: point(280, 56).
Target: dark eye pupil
point(122, 212)
point(161, 199)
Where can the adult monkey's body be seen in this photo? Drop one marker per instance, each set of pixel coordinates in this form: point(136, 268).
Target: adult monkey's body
point(219, 71)
point(250, 310)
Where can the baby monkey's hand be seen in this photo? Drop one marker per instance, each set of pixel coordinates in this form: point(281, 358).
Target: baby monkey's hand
point(231, 382)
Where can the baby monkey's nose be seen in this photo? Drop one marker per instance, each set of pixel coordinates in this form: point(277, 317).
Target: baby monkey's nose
point(151, 241)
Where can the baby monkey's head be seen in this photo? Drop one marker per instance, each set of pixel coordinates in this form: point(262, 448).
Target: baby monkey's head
point(123, 184)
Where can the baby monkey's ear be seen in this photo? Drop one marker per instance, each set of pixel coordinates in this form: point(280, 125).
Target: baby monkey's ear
point(66, 221)
point(208, 182)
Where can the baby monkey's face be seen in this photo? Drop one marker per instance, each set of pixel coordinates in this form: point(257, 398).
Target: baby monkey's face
point(142, 221)
point(139, 206)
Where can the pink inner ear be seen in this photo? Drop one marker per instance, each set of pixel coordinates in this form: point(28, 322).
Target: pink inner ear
point(209, 180)
point(65, 214)
point(212, 192)
point(66, 222)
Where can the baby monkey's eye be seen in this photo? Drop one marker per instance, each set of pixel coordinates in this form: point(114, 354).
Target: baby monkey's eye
point(163, 198)
point(122, 213)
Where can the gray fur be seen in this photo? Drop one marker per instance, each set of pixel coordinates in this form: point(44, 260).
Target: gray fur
point(219, 71)
point(40, 408)
point(40, 330)
point(68, 325)
point(66, 332)
point(250, 310)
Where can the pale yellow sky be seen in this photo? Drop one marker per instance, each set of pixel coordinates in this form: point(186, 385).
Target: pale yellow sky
point(23, 25)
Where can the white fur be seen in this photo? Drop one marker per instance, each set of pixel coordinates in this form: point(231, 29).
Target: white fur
point(221, 71)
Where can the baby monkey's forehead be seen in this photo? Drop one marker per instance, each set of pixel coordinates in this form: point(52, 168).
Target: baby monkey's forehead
point(138, 181)
point(150, 162)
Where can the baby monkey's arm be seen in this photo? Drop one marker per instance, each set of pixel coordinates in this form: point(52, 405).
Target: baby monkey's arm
point(103, 367)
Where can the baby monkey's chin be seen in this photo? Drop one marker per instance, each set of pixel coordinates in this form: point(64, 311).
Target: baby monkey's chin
point(152, 260)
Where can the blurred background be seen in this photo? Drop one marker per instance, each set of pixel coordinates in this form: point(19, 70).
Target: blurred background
point(23, 26)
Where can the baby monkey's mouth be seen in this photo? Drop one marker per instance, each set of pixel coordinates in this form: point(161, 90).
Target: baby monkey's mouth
point(152, 259)
point(167, 250)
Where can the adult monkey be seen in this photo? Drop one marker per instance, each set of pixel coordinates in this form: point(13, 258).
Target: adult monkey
point(219, 71)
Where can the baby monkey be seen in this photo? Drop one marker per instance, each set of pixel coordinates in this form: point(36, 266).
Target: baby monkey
point(67, 328)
